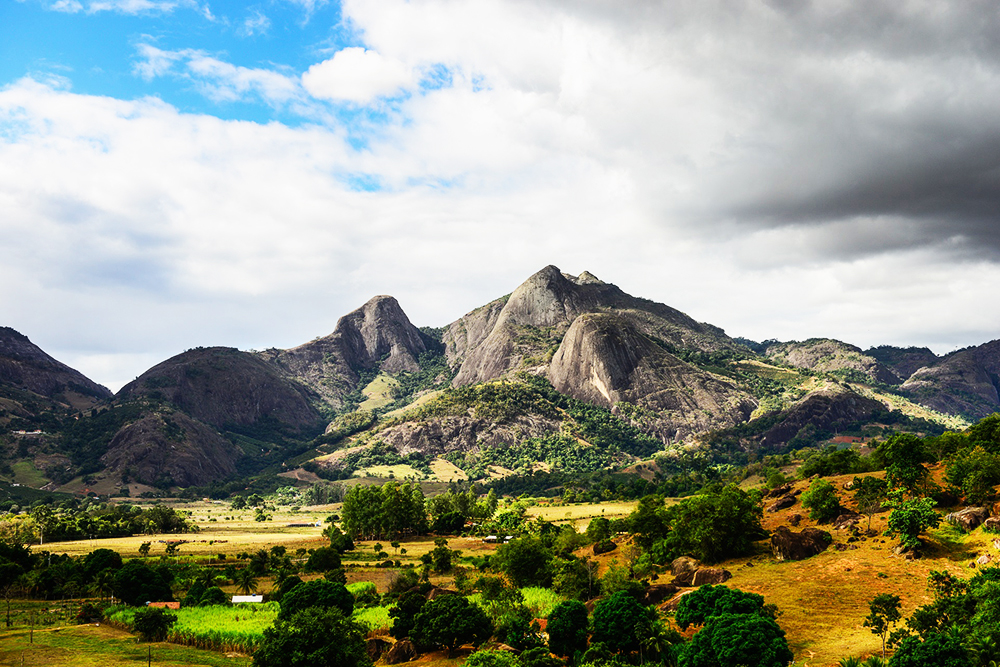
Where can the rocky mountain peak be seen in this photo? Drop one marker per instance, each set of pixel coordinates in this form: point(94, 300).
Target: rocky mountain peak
point(380, 329)
point(26, 366)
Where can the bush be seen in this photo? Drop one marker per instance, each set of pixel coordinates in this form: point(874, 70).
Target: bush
point(152, 623)
point(567, 628)
point(821, 501)
point(316, 593)
point(619, 621)
point(450, 621)
point(733, 640)
point(492, 658)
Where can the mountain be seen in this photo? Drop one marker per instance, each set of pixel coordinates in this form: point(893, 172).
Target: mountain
point(376, 336)
point(828, 356)
point(525, 329)
point(966, 382)
point(565, 373)
point(25, 367)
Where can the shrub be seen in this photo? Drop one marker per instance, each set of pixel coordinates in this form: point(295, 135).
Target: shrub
point(821, 501)
point(317, 593)
point(152, 623)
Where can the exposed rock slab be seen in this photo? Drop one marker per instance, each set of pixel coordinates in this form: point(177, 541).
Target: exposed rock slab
point(789, 545)
point(969, 518)
point(828, 355)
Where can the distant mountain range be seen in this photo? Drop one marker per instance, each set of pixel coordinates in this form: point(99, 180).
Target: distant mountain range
point(565, 372)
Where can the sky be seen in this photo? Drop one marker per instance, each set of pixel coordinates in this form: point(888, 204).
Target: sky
point(182, 173)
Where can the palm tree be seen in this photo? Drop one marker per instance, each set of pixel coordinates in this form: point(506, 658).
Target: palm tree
point(102, 582)
point(246, 582)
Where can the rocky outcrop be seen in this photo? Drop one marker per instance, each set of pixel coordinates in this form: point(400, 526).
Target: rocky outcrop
point(443, 435)
point(169, 448)
point(547, 304)
point(902, 361)
point(828, 355)
point(781, 503)
point(683, 565)
point(224, 387)
point(710, 575)
point(960, 383)
point(401, 651)
point(25, 366)
point(657, 593)
point(789, 545)
point(604, 358)
point(968, 519)
point(378, 335)
point(829, 409)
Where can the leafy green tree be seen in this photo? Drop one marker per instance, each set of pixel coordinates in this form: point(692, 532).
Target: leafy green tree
point(883, 615)
point(316, 593)
point(821, 500)
point(451, 621)
point(214, 596)
point(649, 521)
point(975, 473)
point(567, 628)
point(911, 517)
point(599, 529)
point(708, 600)
point(575, 578)
point(153, 623)
point(525, 560)
point(619, 621)
point(904, 455)
point(135, 584)
point(404, 613)
point(313, 637)
point(736, 640)
point(940, 649)
point(323, 559)
point(713, 526)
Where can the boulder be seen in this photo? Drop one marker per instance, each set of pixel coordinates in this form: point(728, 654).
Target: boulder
point(658, 593)
point(401, 651)
point(789, 545)
point(710, 575)
point(684, 579)
point(795, 519)
point(781, 503)
point(846, 520)
point(778, 491)
point(682, 565)
point(996, 544)
point(992, 524)
point(984, 560)
point(671, 605)
point(375, 647)
point(968, 519)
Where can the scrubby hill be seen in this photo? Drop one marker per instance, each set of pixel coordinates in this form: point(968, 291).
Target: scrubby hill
point(831, 356)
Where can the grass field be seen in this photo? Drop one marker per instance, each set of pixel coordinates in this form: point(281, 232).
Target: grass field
point(379, 392)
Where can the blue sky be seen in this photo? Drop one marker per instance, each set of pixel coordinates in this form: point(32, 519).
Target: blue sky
point(176, 173)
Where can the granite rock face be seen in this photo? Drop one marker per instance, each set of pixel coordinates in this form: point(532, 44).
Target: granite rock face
point(789, 545)
point(25, 366)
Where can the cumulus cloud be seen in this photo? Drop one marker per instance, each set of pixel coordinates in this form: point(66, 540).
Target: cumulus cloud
point(356, 74)
point(779, 169)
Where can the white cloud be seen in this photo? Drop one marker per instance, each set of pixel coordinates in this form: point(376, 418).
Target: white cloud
point(126, 6)
point(217, 79)
point(357, 75)
point(256, 23)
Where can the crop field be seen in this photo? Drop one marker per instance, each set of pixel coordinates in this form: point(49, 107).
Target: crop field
point(581, 514)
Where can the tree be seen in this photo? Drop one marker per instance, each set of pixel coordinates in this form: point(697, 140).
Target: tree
point(869, 494)
point(492, 658)
point(152, 623)
point(821, 501)
point(313, 638)
point(246, 581)
point(911, 517)
point(323, 559)
point(451, 621)
point(144, 549)
point(708, 600)
point(316, 593)
point(136, 583)
point(619, 621)
point(713, 526)
point(734, 640)
point(567, 628)
point(525, 560)
point(884, 614)
point(404, 613)
point(904, 455)
point(940, 649)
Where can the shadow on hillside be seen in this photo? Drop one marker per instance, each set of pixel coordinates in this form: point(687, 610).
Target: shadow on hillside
point(949, 542)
